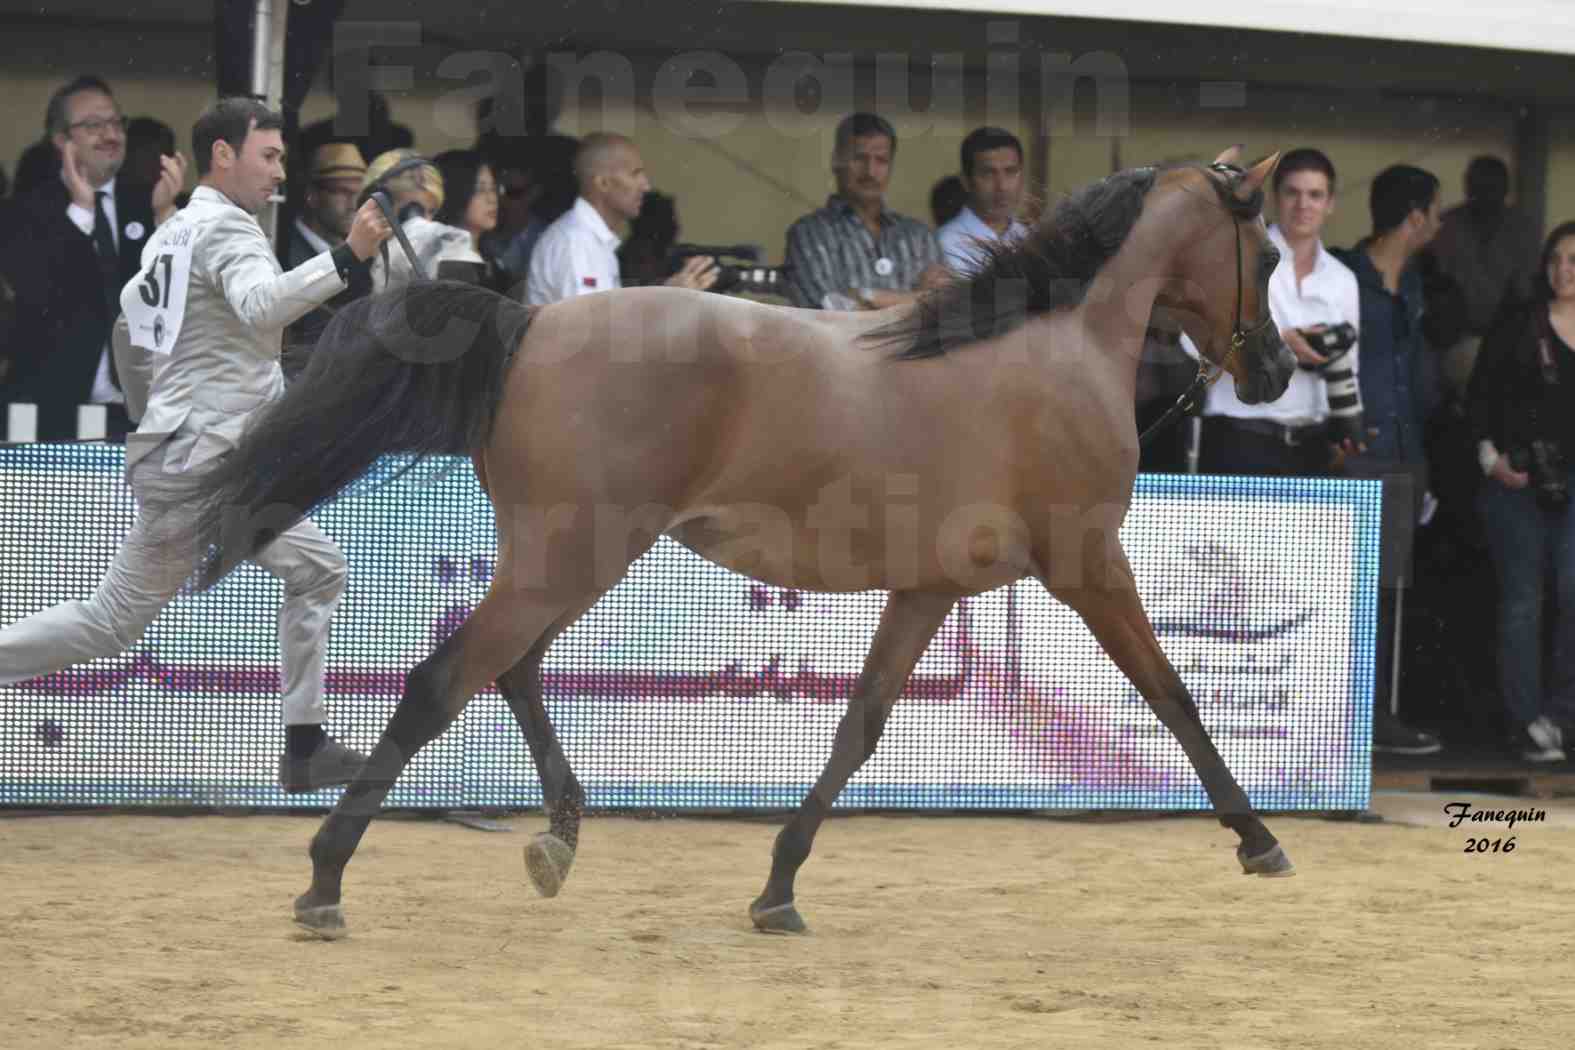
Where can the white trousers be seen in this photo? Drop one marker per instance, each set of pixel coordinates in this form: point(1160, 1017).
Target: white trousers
point(145, 576)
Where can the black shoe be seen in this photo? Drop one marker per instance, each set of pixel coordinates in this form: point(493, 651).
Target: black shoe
point(1396, 738)
point(330, 764)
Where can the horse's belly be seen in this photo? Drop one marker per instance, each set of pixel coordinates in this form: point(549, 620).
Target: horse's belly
point(764, 544)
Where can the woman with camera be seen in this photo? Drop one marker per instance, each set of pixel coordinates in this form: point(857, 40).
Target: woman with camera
point(1521, 402)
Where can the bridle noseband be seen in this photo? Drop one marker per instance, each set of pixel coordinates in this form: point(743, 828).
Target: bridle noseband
point(1208, 373)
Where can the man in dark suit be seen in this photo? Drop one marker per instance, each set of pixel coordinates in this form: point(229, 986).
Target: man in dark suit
point(327, 212)
point(77, 241)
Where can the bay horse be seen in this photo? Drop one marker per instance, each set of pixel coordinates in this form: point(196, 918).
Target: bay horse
point(934, 450)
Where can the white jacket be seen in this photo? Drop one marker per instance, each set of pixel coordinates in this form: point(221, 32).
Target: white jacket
point(224, 365)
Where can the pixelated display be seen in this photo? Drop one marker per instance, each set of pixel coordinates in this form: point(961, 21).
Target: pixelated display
point(689, 686)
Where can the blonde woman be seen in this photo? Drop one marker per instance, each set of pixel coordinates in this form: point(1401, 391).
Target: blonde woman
point(415, 185)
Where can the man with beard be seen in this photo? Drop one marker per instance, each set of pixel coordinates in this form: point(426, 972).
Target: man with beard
point(78, 240)
point(328, 209)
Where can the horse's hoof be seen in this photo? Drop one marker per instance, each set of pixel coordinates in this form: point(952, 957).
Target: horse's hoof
point(1272, 863)
point(547, 862)
point(780, 918)
point(326, 921)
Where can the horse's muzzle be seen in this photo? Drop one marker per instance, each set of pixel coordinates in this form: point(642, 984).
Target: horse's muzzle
point(1269, 367)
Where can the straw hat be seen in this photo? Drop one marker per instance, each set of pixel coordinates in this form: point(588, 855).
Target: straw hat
point(337, 160)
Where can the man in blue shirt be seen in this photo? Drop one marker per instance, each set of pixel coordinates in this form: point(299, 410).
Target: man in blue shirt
point(992, 173)
point(1399, 391)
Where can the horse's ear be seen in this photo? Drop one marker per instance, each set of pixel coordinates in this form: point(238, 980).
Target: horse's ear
point(1231, 156)
point(1256, 176)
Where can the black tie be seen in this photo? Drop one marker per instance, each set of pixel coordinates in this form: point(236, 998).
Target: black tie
point(108, 266)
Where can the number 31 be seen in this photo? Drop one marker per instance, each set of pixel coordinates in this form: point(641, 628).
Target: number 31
point(150, 283)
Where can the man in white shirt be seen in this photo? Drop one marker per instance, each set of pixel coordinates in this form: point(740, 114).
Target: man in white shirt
point(1310, 290)
point(992, 173)
point(578, 254)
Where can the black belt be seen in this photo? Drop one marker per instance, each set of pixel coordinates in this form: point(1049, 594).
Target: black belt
point(1288, 435)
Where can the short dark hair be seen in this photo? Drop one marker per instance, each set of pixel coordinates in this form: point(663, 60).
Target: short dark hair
point(858, 125)
point(1397, 192)
point(947, 198)
point(229, 120)
point(1304, 159)
point(152, 132)
point(1487, 178)
point(981, 140)
point(55, 116)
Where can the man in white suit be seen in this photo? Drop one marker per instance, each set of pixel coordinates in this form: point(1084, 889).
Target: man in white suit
point(200, 342)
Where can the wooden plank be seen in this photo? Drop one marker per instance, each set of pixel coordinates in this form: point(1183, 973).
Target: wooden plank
point(1537, 783)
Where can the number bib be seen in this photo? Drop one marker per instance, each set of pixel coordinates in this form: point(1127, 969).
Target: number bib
point(155, 301)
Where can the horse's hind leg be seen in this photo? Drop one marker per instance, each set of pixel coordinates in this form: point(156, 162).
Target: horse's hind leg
point(1108, 603)
point(909, 621)
point(491, 641)
point(549, 855)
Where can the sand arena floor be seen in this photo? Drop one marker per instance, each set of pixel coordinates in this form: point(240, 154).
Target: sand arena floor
point(146, 931)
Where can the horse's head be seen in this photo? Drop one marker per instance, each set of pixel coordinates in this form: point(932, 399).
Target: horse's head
point(1221, 294)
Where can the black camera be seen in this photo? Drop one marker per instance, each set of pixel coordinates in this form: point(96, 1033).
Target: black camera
point(738, 268)
point(1333, 342)
point(1339, 379)
point(1549, 476)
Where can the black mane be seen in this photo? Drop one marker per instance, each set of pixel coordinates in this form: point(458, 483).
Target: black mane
point(1050, 269)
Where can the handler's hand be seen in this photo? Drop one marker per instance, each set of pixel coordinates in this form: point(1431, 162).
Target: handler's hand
point(369, 230)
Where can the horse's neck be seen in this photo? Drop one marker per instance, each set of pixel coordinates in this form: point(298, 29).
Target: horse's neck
point(1118, 309)
point(1113, 317)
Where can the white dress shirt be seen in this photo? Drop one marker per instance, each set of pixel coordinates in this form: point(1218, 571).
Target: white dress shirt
point(313, 241)
point(1328, 296)
point(959, 236)
point(104, 391)
point(577, 255)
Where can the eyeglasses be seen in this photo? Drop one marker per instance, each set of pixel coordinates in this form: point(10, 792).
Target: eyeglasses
point(99, 125)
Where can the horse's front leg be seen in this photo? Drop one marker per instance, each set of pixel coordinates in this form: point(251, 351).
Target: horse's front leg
point(909, 621)
point(1106, 597)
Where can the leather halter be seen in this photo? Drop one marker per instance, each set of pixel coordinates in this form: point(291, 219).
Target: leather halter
point(1192, 397)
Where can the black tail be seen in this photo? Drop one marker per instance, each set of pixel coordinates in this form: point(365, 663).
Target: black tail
point(417, 370)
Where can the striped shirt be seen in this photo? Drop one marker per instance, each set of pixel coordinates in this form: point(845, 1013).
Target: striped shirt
point(831, 250)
